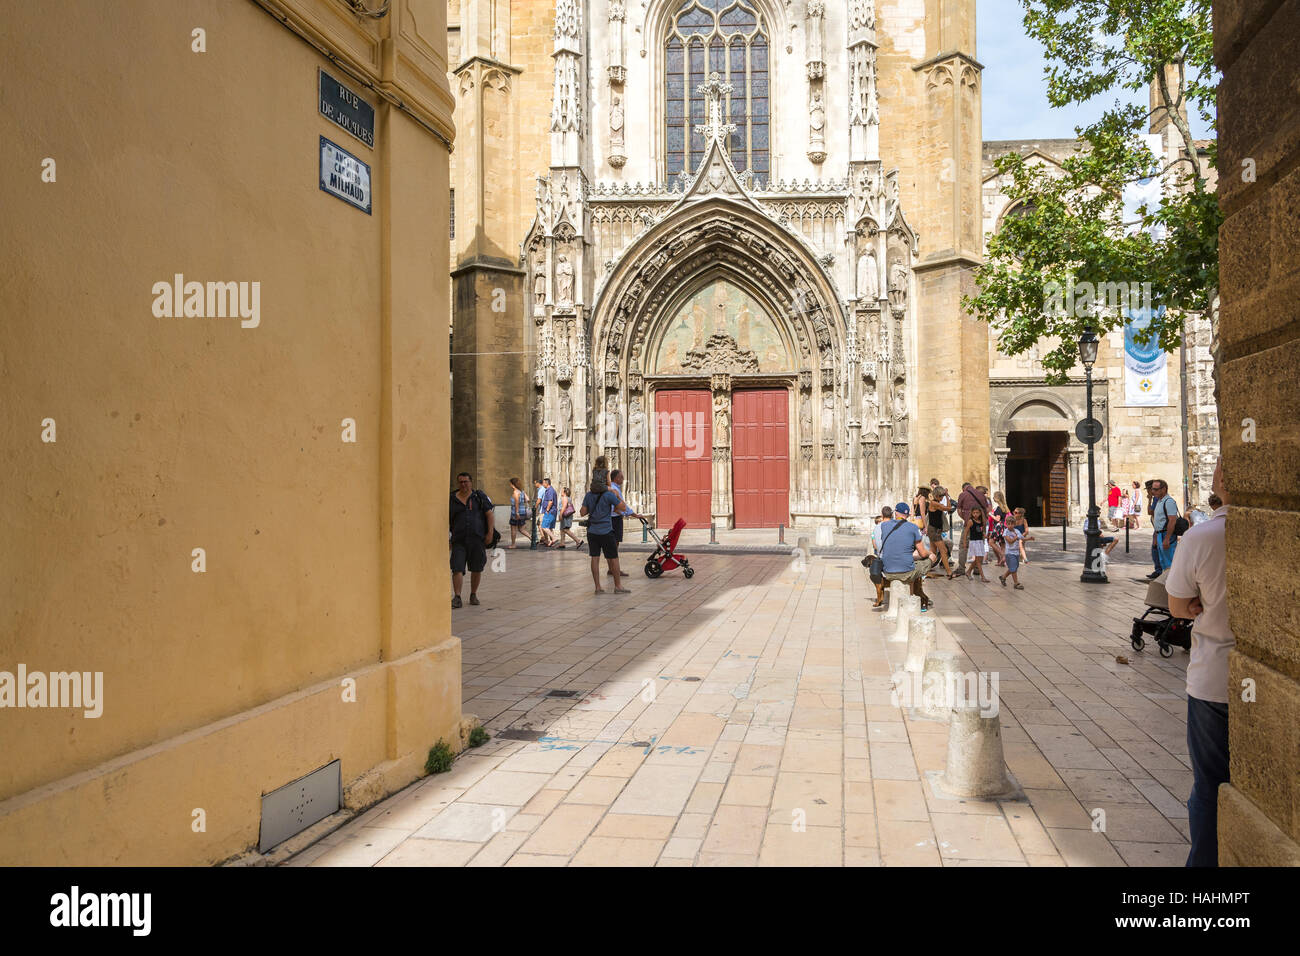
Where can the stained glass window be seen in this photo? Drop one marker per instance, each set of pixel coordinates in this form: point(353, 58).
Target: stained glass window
point(730, 38)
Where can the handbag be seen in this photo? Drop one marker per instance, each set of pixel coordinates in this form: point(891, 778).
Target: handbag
point(568, 510)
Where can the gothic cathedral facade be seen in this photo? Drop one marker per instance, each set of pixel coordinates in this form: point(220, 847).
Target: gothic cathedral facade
point(750, 228)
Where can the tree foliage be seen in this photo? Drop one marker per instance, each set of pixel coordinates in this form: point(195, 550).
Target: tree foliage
point(1067, 229)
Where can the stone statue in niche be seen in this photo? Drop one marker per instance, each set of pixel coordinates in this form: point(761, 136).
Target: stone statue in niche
point(817, 122)
point(636, 425)
point(721, 421)
point(900, 414)
point(805, 418)
point(539, 281)
point(616, 124)
point(898, 285)
point(564, 427)
point(828, 418)
point(611, 424)
point(564, 281)
point(539, 415)
point(870, 407)
point(868, 275)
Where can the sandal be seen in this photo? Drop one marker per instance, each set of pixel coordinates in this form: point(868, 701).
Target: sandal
point(1020, 587)
point(1003, 579)
point(622, 591)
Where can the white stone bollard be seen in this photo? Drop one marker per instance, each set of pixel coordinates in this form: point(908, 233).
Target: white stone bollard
point(920, 641)
point(975, 764)
point(825, 536)
point(938, 685)
point(909, 606)
point(897, 591)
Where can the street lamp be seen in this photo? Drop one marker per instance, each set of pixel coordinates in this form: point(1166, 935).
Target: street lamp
point(1090, 432)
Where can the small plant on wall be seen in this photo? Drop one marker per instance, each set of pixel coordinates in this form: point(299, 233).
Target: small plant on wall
point(478, 737)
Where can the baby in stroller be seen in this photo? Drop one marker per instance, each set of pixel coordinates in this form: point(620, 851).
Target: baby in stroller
point(1168, 631)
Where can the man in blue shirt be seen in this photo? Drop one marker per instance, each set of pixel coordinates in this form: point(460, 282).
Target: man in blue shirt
point(549, 509)
point(903, 554)
point(599, 509)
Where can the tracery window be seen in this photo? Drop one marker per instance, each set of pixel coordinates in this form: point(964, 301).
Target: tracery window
point(727, 37)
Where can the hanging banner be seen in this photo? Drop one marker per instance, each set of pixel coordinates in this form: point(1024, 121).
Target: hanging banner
point(1146, 367)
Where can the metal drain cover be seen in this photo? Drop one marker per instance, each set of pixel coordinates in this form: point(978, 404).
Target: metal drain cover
point(690, 678)
point(297, 805)
point(515, 733)
point(561, 693)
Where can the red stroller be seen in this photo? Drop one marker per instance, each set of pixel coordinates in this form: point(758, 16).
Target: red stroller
point(665, 557)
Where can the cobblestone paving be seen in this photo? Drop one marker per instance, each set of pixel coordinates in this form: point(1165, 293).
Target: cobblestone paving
point(704, 719)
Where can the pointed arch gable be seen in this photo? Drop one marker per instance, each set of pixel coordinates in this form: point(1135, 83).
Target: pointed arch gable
point(718, 236)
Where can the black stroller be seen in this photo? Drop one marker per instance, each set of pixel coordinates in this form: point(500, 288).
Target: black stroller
point(1168, 631)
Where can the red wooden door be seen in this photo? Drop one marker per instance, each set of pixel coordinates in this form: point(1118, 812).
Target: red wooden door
point(760, 458)
point(683, 457)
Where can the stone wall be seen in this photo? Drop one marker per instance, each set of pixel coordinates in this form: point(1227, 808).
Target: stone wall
point(1259, 332)
point(324, 559)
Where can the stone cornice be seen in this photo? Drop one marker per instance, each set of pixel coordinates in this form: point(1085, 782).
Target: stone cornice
point(396, 57)
point(948, 55)
point(487, 61)
point(948, 258)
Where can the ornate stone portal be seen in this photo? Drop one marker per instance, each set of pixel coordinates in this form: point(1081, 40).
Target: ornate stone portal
point(714, 287)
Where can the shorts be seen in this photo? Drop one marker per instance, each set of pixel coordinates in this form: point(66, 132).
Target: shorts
point(1013, 560)
point(977, 548)
point(935, 535)
point(598, 544)
point(518, 522)
point(548, 521)
point(1114, 513)
point(566, 522)
point(468, 551)
point(920, 568)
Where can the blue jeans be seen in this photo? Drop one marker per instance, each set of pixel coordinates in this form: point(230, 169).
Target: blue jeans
point(1164, 557)
point(1207, 744)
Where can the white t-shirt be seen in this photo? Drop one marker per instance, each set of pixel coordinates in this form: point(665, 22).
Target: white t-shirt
point(1200, 569)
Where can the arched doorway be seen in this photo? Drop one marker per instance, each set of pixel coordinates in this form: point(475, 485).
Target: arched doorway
point(1038, 475)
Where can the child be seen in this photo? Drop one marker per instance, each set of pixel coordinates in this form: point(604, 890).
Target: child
point(1014, 537)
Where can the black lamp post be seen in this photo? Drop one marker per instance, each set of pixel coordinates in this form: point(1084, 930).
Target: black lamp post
point(1092, 560)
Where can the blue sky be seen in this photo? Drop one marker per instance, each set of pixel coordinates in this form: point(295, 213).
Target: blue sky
point(1015, 90)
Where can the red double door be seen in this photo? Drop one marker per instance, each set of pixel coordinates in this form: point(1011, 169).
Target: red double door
point(760, 458)
point(759, 452)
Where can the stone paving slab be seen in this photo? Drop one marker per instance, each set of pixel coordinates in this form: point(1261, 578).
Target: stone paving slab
point(750, 717)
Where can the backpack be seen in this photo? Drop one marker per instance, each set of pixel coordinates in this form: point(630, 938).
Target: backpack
point(484, 507)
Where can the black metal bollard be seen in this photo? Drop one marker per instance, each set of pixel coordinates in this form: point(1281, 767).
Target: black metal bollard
point(780, 534)
point(1126, 526)
point(1064, 524)
point(713, 532)
point(645, 532)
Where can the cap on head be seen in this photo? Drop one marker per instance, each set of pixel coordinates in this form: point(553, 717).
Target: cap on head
point(902, 508)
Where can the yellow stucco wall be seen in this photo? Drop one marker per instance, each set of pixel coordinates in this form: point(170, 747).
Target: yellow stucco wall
point(324, 559)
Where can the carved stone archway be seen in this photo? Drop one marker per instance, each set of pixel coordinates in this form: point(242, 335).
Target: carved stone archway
point(725, 237)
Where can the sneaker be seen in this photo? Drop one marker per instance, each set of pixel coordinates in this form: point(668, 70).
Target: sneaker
point(473, 599)
point(1153, 575)
point(455, 601)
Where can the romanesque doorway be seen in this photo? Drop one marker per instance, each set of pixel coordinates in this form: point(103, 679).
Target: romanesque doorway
point(760, 457)
point(683, 456)
point(1037, 475)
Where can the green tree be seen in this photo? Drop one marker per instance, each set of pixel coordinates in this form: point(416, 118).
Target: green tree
point(1068, 229)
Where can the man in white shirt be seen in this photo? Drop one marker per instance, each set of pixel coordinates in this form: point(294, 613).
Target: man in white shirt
point(1198, 588)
